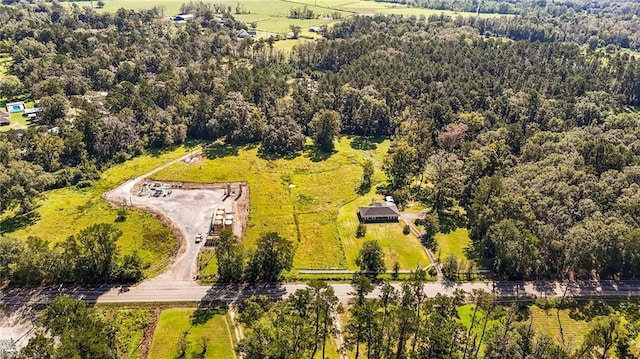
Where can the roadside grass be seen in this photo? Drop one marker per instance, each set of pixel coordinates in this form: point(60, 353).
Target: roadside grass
point(455, 242)
point(208, 265)
point(302, 198)
point(211, 333)
point(573, 331)
point(66, 211)
point(130, 325)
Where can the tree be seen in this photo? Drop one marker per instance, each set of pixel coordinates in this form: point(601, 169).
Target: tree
point(10, 87)
point(295, 30)
point(371, 258)
point(283, 137)
point(229, 256)
point(450, 267)
point(367, 177)
point(325, 127)
point(238, 119)
point(361, 231)
point(401, 163)
point(323, 303)
point(53, 109)
point(447, 178)
point(430, 226)
point(79, 332)
point(274, 254)
point(11, 250)
point(92, 254)
point(607, 334)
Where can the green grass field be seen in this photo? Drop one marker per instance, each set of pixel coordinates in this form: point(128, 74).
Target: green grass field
point(454, 242)
point(307, 200)
point(213, 334)
point(66, 211)
point(208, 265)
point(573, 330)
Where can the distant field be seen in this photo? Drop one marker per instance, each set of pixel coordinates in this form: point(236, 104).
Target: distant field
point(66, 211)
point(271, 15)
point(307, 200)
point(213, 334)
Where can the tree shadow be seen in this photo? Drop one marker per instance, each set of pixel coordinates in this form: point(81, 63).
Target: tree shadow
point(315, 154)
point(270, 156)
point(220, 150)
point(366, 142)
point(204, 313)
point(449, 222)
point(17, 222)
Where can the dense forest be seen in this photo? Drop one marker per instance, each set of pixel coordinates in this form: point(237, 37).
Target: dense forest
point(536, 140)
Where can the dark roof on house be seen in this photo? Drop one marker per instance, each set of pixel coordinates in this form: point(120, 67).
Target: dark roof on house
point(4, 118)
point(379, 210)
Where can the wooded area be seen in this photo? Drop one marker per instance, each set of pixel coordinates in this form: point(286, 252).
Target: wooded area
point(536, 140)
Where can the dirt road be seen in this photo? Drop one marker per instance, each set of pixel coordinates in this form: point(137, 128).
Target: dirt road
point(184, 209)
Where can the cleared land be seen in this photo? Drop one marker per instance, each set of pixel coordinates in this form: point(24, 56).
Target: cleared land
point(455, 242)
point(198, 332)
point(301, 198)
point(66, 211)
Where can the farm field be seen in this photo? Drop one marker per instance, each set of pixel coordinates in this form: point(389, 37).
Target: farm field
point(301, 199)
point(69, 210)
point(203, 333)
point(272, 15)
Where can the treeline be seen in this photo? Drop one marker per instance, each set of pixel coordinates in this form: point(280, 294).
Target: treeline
point(91, 256)
point(535, 140)
point(405, 323)
point(273, 256)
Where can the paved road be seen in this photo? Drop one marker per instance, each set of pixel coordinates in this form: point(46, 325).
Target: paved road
point(237, 293)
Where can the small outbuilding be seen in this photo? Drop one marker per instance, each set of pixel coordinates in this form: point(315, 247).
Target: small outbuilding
point(4, 119)
point(316, 29)
point(243, 34)
point(379, 212)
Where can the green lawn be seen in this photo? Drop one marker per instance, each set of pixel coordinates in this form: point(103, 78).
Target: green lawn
point(214, 334)
point(208, 265)
point(547, 322)
point(454, 242)
point(66, 211)
point(303, 199)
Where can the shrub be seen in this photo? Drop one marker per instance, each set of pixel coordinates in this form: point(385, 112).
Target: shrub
point(361, 231)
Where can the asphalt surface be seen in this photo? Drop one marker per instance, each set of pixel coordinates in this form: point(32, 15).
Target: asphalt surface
point(237, 293)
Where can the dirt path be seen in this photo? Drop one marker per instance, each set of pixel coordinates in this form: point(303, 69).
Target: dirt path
point(408, 218)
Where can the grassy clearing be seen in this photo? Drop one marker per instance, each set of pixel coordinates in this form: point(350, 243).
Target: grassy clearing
point(5, 61)
point(208, 265)
point(66, 211)
point(454, 242)
point(176, 327)
point(573, 331)
point(307, 199)
point(130, 325)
